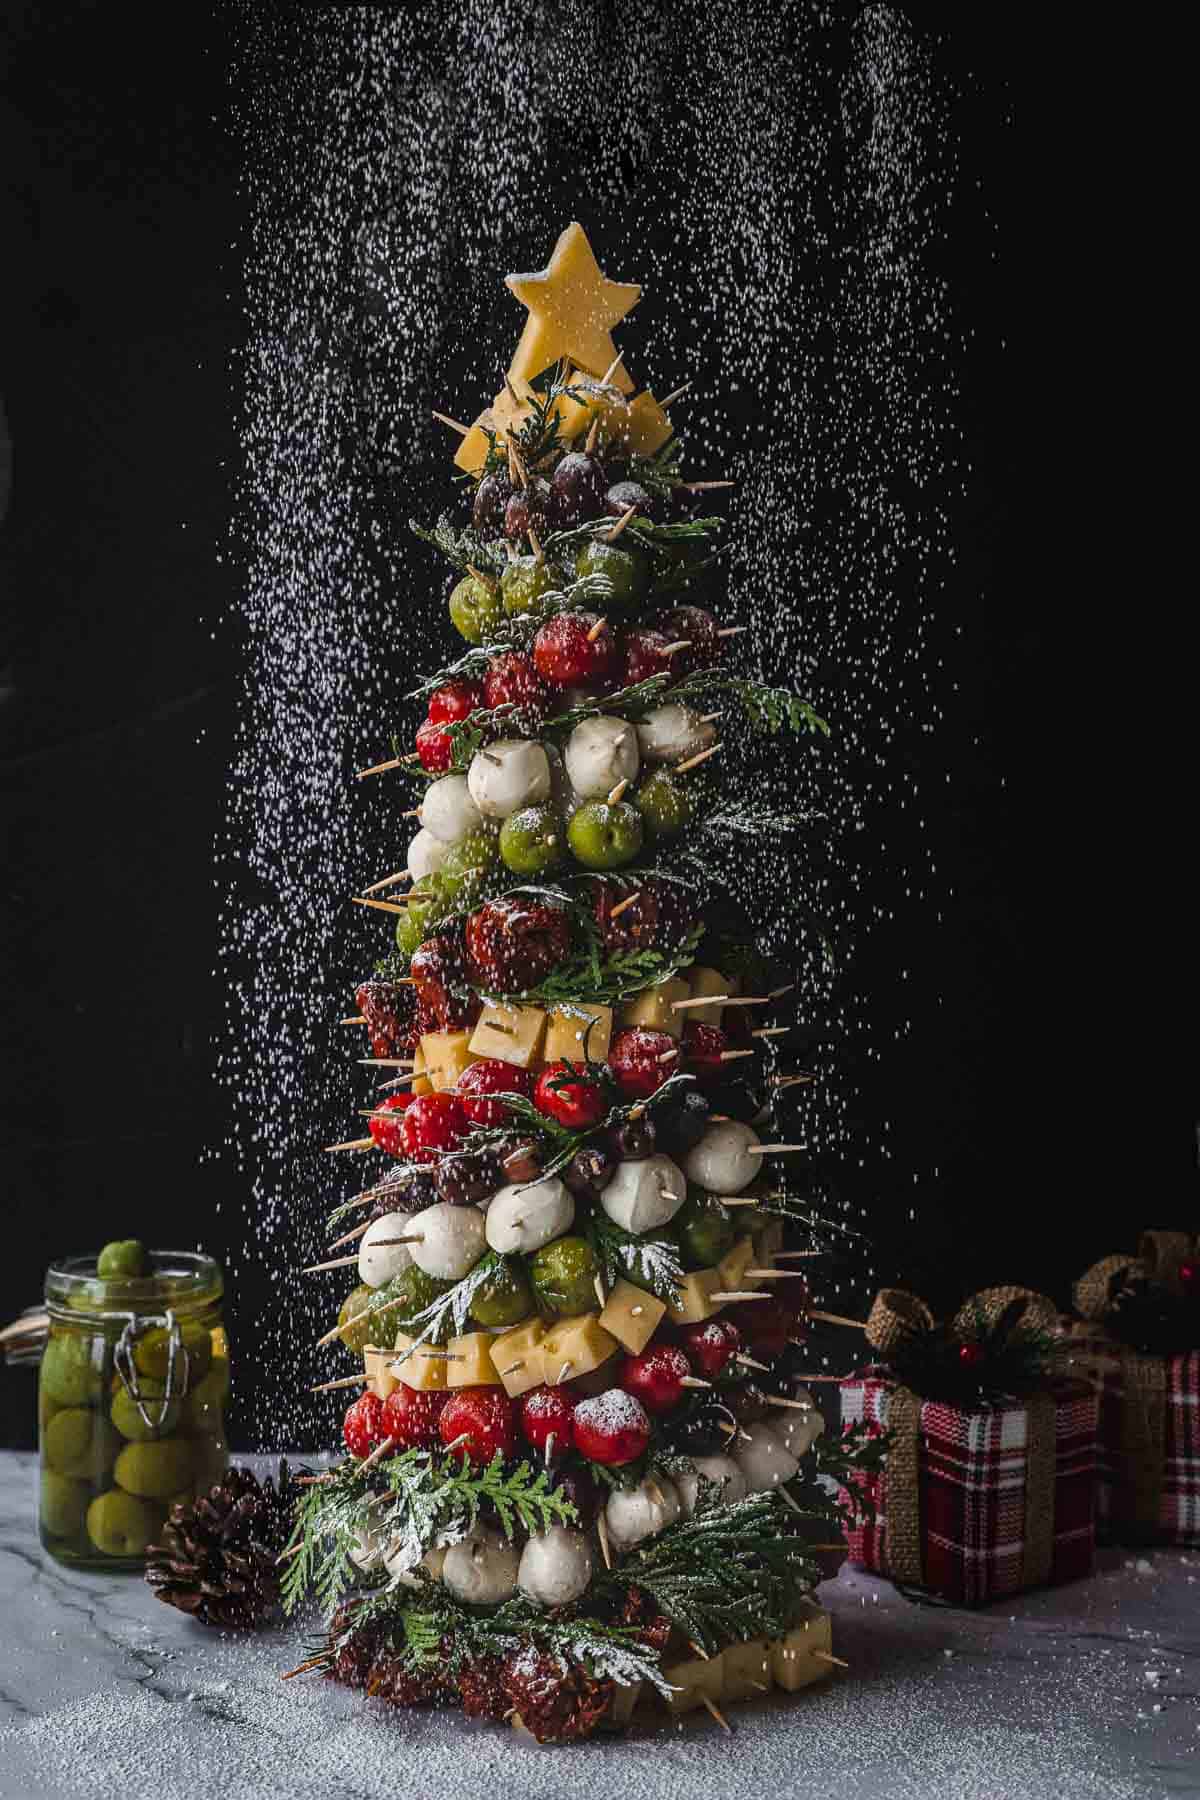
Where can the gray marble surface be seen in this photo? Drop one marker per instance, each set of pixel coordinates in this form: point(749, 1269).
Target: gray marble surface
point(1090, 1692)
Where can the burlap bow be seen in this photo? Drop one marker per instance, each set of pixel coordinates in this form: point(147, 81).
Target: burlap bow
point(896, 1317)
point(1137, 1496)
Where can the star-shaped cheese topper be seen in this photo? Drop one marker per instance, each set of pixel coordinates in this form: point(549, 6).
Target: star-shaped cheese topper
point(572, 310)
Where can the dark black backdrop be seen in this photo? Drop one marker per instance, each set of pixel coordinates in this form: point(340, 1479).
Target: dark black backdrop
point(1034, 1088)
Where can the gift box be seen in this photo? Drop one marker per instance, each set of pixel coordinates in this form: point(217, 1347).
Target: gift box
point(1148, 1430)
point(976, 1501)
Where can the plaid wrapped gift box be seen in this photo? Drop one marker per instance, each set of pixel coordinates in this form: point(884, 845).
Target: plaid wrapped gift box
point(977, 1505)
point(1148, 1460)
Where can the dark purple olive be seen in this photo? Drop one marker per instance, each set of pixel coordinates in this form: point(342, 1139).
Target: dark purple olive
point(577, 1486)
point(589, 1171)
point(681, 1126)
point(578, 485)
point(467, 1179)
point(624, 494)
point(491, 497)
point(633, 1140)
point(529, 506)
point(747, 1402)
point(705, 1429)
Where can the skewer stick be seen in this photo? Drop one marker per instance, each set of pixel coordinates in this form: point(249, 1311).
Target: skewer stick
point(774, 1274)
point(794, 1255)
point(623, 905)
point(393, 762)
point(315, 1480)
point(611, 370)
point(679, 644)
point(693, 1381)
point(369, 1312)
point(712, 1708)
point(765, 1031)
point(601, 1296)
point(700, 487)
point(315, 1662)
point(614, 796)
point(701, 1652)
point(287, 1555)
point(735, 1199)
point(675, 393)
point(749, 1363)
point(707, 718)
point(513, 394)
point(377, 1455)
point(400, 875)
point(796, 1405)
point(339, 1262)
point(386, 1062)
point(367, 1143)
point(667, 1056)
point(399, 1081)
point(622, 522)
point(596, 629)
point(773, 1149)
point(350, 1236)
point(709, 1000)
point(535, 544)
point(693, 762)
point(787, 1081)
point(593, 436)
point(826, 1657)
point(602, 1528)
point(358, 1020)
point(742, 1294)
point(732, 1055)
point(343, 1381)
point(454, 424)
point(388, 906)
point(484, 580)
point(731, 630)
point(828, 1318)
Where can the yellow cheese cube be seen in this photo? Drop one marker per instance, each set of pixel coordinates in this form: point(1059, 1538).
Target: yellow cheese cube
point(517, 1357)
point(624, 1703)
point(420, 1370)
point(733, 1265)
point(514, 1034)
point(469, 1363)
point(653, 1008)
point(793, 1664)
point(420, 1083)
point(445, 1056)
point(632, 1316)
point(746, 1670)
point(702, 981)
point(574, 1347)
point(380, 1379)
point(565, 1032)
point(646, 424)
point(694, 1303)
point(694, 1680)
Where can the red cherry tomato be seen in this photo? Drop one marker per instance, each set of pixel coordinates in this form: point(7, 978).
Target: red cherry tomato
point(546, 1412)
point(434, 747)
point(456, 700)
point(432, 1123)
point(575, 1103)
point(656, 1377)
point(483, 1418)
point(490, 1076)
point(611, 1429)
point(362, 1428)
point(388, 1134)
point(410, 1417)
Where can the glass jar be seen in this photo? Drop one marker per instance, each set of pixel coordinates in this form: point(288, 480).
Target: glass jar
point(131, 1403)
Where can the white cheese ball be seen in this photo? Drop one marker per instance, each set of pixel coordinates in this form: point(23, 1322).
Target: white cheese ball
point(762, 1459)
point(426, 854)
point(670, 733)
point(452, 1240)
point(431, 1562)
point(483, 1569)
point(644, 1195)
point(529, 1214)
point(378, 1263)
point(448, 811)
point(798, 1431)
point(556, 1566)
point(599, 754)
point(721, 1469)
point(507, 776)
point(633, 1514)
point(720, 1161)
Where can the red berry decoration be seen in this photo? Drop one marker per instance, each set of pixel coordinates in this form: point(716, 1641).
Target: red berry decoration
point(546, 1412)
point(646, 652)
point(362, 1427)
point(434, 747)
point(971, 1355)
point(431, 1124)
point(457, 700)
point(710, 1345)
point(483, 1417)
point(389, 1133)
point(574, 1102)
point(440, 981)
point(388, 1011)
point(1189, 1279)
point(640, 1060)
point(565, 654)
point(491, 1076)
point(611, 1429)
point(512, 680)
point(656, 1377)
point(699, 627)
point(410, 1417)
point(512, 944)
point(703, 1048)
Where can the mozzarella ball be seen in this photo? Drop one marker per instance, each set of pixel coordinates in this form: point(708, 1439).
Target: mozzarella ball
point(632, 1514)
point(644, 1195)
point(452, 1240)
point(798, 1431)
point(377, 1263)
point(482, 1570)
point(719, 1162)
point(721, 1469)
point(431, 1562)
point(599, 754)
point(448, 811)
point(556, 1566)
point(426, 854)
point(671, 732)
point(528, 1214)
point(507, 776)
point(762, 1459)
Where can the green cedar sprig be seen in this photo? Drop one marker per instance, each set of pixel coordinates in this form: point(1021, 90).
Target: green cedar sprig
point(589, 973)
point(1009, 1360)
point(648, 1262)
point(462, 546)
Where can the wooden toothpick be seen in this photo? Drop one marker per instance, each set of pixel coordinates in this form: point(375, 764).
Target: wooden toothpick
point(712, 1707)
point(731, 630)
point(773, 1149)
point(624, 905)
point(367, 1143)
point(614, 797)
point(596, 629)
point(387, 906)
point(675, 394)
point(454, 424)
point(693, 762)
point(828, 1318)
point(622, 522)
point(339, 1262)
point(343, 1381)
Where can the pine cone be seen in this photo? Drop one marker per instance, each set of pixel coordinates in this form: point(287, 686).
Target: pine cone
point(558, 1700)
point(653, 1629)
point(217, 1558)
point(390, 1680)
point(481, 1689)
point(354, 1658)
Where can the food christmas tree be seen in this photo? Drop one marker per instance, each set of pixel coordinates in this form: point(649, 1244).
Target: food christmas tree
point(582, 1469)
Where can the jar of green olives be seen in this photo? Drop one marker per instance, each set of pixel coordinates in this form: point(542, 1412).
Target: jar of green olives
point(131, 1399)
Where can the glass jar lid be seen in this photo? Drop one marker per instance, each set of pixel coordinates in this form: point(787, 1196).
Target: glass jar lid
point(184, 1281)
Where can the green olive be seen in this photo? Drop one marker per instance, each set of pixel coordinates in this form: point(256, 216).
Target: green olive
point(563, 1277)
point(71, 1372)
point(419, 917)
point(79, 1442)
point(704, 1228)
point(123, 1258)
point(64, 1504)
point(414, 1290)
point(625, 569)
point(476, 608)
point(152, 1351)
point(152, 1471)
point(665, 806)
point(204, 1408)
point(525, 580)
point(632, 1271)
point(353, 1326)
point(466, 867)
point(129, 1421)
point(505, 1298)
point(122, 1524)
